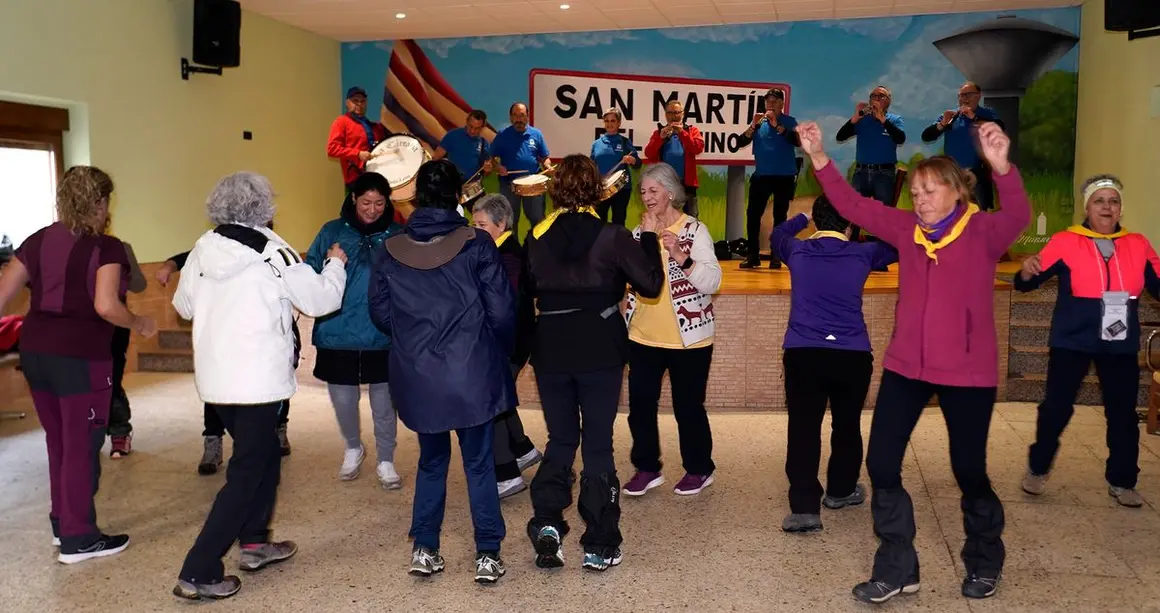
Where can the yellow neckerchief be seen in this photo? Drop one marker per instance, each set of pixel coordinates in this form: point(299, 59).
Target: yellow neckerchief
point(829, 234)
point(544, 225)
point(502, 237)
point(1088, 232)
point(948, 238)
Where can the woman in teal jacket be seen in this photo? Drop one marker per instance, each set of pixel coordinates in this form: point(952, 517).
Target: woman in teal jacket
point(351, 351)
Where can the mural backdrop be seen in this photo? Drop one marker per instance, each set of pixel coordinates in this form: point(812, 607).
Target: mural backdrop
point(425, 87)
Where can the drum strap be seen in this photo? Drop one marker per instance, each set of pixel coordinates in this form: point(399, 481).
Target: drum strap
point(368, 128)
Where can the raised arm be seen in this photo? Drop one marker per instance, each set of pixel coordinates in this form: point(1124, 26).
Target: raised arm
point(652, 150)
point(784, 236)
point(692, 140)
point(1006, 224)
point(316, 294)
point(895, 128)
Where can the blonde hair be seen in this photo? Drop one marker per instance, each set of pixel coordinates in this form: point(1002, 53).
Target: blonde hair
point(78, 196)
point(946, 171)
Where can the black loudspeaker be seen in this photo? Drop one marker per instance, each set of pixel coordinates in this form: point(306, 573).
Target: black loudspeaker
point(217, 29)
point(1129, 15)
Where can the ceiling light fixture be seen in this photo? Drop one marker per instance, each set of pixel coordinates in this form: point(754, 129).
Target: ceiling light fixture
point(400, 15)
point(565, 7)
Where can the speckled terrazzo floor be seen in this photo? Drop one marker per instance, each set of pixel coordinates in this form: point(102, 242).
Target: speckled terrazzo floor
point(1071, 549)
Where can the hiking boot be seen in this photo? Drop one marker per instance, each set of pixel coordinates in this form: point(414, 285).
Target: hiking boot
point(425, 562)
point(488, 567)
point(105, 545)
point(642, 482)
point(549, 553)
point(228, 586)
point(1034, 484)
point(802, 522)
point(283, 440)
point(257, 557)
point(856, 498)
point(976, 586)
point(1126, 496)
point(121, 447)
point(211, 458)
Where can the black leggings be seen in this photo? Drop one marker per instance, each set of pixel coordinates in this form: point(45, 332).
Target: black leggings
point(618, 203)
point(213, 421)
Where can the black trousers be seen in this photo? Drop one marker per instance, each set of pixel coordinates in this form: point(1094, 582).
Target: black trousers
point(1119, 376)
point(967, 411)
point(618, 204)
point(813, 377)
point(691, 208)
point(984, 188)
point(579, 410)
point(245, 505)
point(214, 426)
point(509, 442)
point(688, 377)
point(119, 412)
point(781, 188)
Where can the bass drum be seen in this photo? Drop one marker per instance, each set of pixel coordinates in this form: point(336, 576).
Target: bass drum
point(398, 160)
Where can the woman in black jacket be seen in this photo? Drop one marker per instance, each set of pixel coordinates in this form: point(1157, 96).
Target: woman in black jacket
point(578, 268)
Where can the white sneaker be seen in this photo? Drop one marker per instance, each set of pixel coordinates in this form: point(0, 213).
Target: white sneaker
point(352, 459)
point(511, 487)
point(388, 477)
point(529, 459)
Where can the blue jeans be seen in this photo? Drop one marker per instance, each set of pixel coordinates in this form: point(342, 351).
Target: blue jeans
point(475, 445)
point(876, 183)
point(533, 206)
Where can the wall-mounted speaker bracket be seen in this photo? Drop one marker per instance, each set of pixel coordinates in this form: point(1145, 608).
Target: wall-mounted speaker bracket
point(188, 69)
point(1134, 34)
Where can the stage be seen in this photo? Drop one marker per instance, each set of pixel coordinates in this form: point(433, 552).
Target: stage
point(752, 312)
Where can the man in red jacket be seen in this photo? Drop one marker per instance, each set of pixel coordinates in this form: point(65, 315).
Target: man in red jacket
point(353, 136)
point(677, 144)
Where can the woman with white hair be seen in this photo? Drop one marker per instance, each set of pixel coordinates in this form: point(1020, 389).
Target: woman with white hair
point(673, 332)
point(240, 286)
point(514, 451)
point(1102, 270)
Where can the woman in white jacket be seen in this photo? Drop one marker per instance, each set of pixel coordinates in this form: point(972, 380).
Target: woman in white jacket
point(240, 287)
point(672, 332)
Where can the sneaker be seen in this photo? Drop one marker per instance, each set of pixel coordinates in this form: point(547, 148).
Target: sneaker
point(265, 554)
point(283, 440)
point(975, 586)
point(855, 498)
point(1034, 484)
point(488, 567)
point(511, 487)
point(802, 522)
point(211, 458)
point(425, 562)
point(876, 592)
point(599, 562)
point(387, 475)
point(228, 586)
point(529, 459)
point(642, 482)
point(775, 264)
point(549, 554)
point(106, 545)
point(122, 446)
point(751, 263)
point(352, 459)
point(691, 485)
point(56, 542)
point(1126, 496)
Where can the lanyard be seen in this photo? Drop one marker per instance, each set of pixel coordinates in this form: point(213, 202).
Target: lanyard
point(1103, 264)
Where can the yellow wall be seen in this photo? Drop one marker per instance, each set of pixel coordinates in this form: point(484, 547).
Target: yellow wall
point(116, 65)
point(1117, 133)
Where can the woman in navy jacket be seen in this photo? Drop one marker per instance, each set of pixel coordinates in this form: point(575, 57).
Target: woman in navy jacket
point(440, 291)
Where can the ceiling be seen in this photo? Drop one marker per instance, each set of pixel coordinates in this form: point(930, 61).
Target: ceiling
point(359, 20)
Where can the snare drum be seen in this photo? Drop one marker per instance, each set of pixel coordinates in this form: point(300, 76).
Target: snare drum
point(471, 191)
point(398, 159)
point(530, 186)
point(614, 183)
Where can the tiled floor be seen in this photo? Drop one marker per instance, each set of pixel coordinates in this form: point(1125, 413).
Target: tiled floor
point(1071, 550)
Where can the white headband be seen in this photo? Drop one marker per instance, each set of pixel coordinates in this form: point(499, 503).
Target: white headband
point(1090, 190)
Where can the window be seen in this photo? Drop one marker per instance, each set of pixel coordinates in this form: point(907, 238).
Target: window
point(31, 161)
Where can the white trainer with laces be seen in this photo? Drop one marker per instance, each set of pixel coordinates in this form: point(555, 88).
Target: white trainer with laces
point(388, 477)
point(352, 459)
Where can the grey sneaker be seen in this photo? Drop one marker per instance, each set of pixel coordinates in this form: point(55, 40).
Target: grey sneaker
point(1034, 484)
point(511, 487)
point(1126, 496)
point(211, 457)
point(529, 459)
point(488, 567)
point(857, 497)
point(425, 562)
point(801, 522)
point(257, 558)
point(228, 586)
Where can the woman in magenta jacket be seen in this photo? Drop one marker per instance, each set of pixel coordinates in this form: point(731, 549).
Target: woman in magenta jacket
point(943, 343)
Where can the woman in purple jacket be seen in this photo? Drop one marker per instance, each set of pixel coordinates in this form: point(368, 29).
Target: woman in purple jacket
point(943, 343)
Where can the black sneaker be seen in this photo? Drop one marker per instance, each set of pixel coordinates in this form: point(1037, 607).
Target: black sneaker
point(775, 264)
point(549, 554)
point(751, 263)
point(977, 586)
point(876, 592)
point(106, 545)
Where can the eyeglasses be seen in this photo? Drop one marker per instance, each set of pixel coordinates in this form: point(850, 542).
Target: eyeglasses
point(877, 96)
point(968, 94)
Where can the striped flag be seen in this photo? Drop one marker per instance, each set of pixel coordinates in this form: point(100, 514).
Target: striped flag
point(417, 100)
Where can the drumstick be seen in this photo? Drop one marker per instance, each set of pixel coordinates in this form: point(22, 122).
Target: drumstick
point(474, 175)
point(618, 165)
point(516, 172)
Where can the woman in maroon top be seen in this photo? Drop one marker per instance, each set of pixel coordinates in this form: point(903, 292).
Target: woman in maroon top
point(76, 273)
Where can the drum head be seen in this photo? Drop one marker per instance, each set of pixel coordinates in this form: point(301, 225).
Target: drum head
point(530, 180)
point(613, 178)
point(398, 159)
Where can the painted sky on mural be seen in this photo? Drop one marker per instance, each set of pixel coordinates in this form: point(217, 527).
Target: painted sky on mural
point(830, 65)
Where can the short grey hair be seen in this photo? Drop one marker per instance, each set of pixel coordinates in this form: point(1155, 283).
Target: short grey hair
point(244, 198)
point(497, 208)
point(669, 181)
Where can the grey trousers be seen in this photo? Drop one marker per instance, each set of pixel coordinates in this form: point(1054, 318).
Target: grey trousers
point(345, 399)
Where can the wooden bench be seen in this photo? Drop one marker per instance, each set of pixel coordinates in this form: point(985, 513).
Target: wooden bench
point(10, 360)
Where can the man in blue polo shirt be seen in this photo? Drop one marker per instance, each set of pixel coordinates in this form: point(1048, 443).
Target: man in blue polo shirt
point(774, 139)
point(957, 127)
point(466, 147)
point(880, 134)
point(519, 147)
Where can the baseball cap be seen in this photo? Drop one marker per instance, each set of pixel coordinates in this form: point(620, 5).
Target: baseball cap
point(356, 91)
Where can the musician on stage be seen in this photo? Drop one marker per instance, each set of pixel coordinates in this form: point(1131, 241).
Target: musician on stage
point(353, 136)
point(957, 127)
point(774, 141)
point(518, 151)
point(880, 134)
point(678, 144)
point(466, 147)
point(610, 151)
